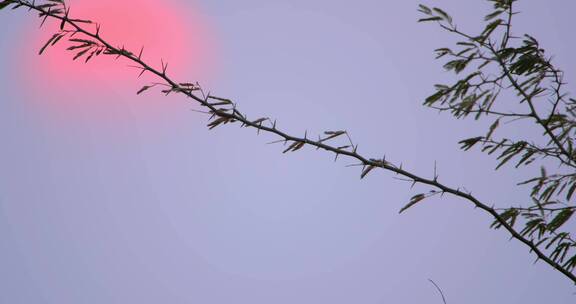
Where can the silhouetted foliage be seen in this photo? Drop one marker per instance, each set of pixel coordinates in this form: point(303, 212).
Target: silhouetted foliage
point(497, 61)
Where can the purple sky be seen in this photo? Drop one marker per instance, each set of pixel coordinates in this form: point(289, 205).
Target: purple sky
point(140, 210)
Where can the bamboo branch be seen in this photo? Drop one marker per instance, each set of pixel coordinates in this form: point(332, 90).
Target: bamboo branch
point(222, 114)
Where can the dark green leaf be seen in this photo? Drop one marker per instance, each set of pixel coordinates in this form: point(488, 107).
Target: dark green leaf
point(560, 219)
point(525, 158)
point(571, 191)
point(443, 14)
point(424, 9)
point(491, 27)
point(492, 15)
point(570, 264)
point(435, 18)
point(508, 215)
point(493, 128)
point(430, 100)
point(468, 143)
point(531, 226)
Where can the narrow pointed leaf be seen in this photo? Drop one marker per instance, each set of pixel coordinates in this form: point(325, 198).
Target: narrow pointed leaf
point(413, 201)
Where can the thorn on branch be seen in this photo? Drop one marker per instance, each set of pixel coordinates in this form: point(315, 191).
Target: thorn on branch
point(46, 15)
point(164, 67)
point(63, 22)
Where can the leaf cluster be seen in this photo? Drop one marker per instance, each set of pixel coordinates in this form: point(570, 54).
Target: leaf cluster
point(496, 61)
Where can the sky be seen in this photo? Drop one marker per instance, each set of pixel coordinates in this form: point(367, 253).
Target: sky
point(110, 197)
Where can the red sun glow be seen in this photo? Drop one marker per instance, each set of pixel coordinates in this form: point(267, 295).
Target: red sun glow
point(167, 31)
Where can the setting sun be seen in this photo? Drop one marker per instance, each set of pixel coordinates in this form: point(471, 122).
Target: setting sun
point(167, 31)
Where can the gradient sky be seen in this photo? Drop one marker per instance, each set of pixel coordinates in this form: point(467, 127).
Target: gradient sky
point(109, 197)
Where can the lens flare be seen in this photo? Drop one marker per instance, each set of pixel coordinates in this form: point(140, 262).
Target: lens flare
point(167, 31)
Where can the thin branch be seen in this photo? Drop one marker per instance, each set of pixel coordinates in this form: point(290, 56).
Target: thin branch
point(439, 290)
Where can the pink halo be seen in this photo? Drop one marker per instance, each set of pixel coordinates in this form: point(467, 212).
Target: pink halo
point(100, 88)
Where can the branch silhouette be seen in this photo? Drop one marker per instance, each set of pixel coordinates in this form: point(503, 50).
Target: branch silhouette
point(89, 43)
point(439, 290)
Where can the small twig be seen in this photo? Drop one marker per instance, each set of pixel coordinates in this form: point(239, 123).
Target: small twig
point(439, 290)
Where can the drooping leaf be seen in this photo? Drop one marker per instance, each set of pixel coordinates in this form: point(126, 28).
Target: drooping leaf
point(493, 127)
point(531, 226)
point(560, 219)
point(508, 216)
point(491, 27)
point(492, 15)
point(295, 146)
point(217, 122)
point(557, 238)
point(526, 158)
point(443, 14)
point(80, 54)
point(570, 263)
point(571, 191)
point(332, 134)
point(435, 18)
point(430, 100)
point(48, 43)
point(467, 144)
point(413, 201)
point(424, 9)
point(366, 171)
point(57, 39)
point(144, 88)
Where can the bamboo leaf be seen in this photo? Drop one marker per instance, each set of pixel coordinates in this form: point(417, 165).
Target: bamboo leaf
point(492, 15)
point(443, 14)
point(570, 264)
point(295, 146)
point(509, 215)
point(413, 201)
point(366, 171)
point(468, 143)
point(491, 27)
point(560, 219)
point(298, 146)
point(57, 39)
point(80, 54)
point(217, 122)
point(424, 9)
point(571, 191)
point(144, 88)
point(493, 127)
point(332, 134)
point(48, 43)
point(435, 18)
